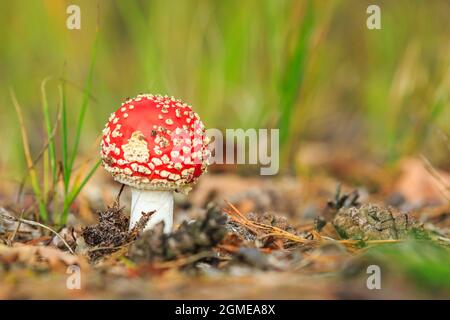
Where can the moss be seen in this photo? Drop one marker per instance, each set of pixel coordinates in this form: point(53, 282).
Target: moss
point(419, 234)
point(341, 232)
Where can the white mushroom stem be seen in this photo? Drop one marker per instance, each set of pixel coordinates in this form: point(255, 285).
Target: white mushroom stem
point(159, 201)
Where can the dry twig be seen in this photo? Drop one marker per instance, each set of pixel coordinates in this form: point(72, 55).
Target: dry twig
point(36, 224)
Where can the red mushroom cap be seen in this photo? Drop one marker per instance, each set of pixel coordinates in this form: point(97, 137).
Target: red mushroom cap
point(155, 142)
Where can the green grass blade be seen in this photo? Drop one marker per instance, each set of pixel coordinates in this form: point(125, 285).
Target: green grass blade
point(80, 187)
point(45, 176)
point(64, 137)
point(438, 106)
point(85, 101)
point(50, 136)
point(294, 74)
point(76, 191)
point(424, 262)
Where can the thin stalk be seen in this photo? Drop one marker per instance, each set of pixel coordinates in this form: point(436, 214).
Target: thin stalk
point(26, 148)
point(45, 177)
point(39, 155)
point(75, 191)
point(292, 80)
point(49, 129)
point(84, 104)
point(37, 224)
point(64, 137)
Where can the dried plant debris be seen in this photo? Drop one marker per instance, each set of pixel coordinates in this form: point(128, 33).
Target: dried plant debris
point(10, 228)
point(372, 222)
point(190, 238)
point(68, 234)
point(265, 199)
point(266, 219)
point(111, 233)
point(3, 239)
point(252, 257)
point(274, 221)
point(339, 201)
point(237, 229)
point(39, 258)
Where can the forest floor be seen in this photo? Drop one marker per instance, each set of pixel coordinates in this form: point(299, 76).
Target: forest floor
point(236, 237)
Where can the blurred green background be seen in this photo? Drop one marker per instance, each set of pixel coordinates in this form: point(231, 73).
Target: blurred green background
point(310, 68)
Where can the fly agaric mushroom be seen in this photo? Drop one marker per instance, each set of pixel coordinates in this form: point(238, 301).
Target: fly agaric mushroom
point(156, 145)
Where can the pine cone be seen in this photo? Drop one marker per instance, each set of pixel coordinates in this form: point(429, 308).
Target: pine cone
point(371, 222)
point(189, 238)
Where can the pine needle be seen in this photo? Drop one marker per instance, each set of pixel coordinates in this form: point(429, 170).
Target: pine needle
point(237, 216)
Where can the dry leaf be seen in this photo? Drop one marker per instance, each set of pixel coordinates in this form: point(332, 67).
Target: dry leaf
point(418, 185)
point(39, 256)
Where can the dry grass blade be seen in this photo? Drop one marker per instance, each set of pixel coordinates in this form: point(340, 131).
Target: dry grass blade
point(37, 224)
point(444, 189)
point(13, 236)
point(29, 160)
point(40, 154)
point(354, 242)
point(111, 247)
